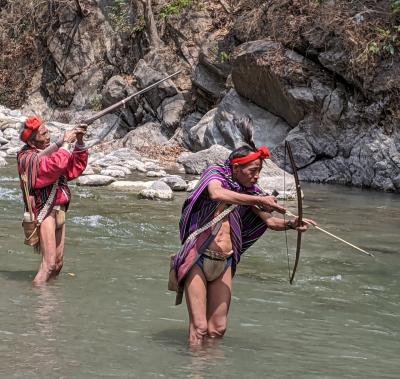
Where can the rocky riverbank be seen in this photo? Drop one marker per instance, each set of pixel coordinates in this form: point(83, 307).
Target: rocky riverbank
point(128, 169)
point(335, 98)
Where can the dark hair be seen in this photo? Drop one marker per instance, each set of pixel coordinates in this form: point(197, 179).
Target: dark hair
point(245, 127)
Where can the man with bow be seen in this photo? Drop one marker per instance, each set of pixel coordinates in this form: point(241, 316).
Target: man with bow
point(207, 261)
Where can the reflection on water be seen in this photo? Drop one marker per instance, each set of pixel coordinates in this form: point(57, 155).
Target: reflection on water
point(115, 319)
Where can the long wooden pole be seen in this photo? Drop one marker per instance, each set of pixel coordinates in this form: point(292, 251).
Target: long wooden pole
point(102, 113)
point(332, 235)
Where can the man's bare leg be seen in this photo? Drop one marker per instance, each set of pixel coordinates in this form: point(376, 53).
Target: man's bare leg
point(196, 294)
point(48, 249)
point(219, 293)
point(60, 238)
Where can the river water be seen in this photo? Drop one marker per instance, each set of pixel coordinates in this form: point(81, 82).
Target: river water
point(109, 314)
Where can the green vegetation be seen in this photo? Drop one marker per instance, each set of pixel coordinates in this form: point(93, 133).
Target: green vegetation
point(386, 42)
point(224, 56)
point(119, 16)
point(175, 8)
point(96, 102)
point(395, 6)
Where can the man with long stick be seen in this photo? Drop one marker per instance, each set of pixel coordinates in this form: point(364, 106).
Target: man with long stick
point(220, 220)
point(44, 170)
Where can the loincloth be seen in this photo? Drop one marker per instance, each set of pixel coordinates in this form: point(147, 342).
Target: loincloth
point(214, 263)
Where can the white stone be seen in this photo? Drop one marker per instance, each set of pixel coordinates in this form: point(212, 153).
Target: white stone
point(12, 151)
point(125, 169)
point(158, 190)
point(113, 173)
point(88, 171)
point(191, 185)
point(10, 133)
point(175, 182)
point(156, 174)
point(3, 162)
point(131, 186)
point(134, 164)
point(95, 180)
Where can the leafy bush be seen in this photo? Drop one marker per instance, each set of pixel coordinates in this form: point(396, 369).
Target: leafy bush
point(175, 8)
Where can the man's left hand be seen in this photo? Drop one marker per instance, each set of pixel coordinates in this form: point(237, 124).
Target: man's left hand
point(306, 222)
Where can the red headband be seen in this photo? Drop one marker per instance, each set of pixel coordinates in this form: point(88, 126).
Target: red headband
point(31, 124)
point(262, 153)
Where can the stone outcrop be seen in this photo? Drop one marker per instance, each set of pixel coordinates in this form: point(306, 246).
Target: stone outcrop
point(218, 125)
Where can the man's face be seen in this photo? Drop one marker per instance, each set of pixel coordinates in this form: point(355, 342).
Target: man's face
point(42, 138)
point(247, 175)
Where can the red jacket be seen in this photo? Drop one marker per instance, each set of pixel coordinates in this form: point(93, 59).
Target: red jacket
point(59, 167)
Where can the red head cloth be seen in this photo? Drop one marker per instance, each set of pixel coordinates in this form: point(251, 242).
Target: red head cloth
point(262, 153)
point(31, 124)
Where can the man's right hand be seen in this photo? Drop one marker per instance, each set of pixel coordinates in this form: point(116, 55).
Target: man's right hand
point(270, 204)
point(70, 136)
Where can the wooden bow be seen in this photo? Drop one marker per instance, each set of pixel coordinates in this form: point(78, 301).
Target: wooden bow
point(299, 208)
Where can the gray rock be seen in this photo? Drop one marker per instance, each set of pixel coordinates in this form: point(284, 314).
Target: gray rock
point(187, 124)
point(158, 190)
point(125, 154)
point(12, 151)
point(156, 174)
point(130, 186)
point(151, 165)
point(146, 135)
point(113, 173)
point(88, 171)
point(3, 162)
point(171, 111)
point(273, 178)
point(396, 181)
point(107, 160)
point(175, 182)
point(136, 165)
point(195, 136)
point(218, 126)
point(94, 180)
point(146, 75)
point(3, 141)
point(10, 133)
point(285, 93)
point(3, 154)
point(196, 163)
point(192, 185)
point(124, 169)
point(212, 84)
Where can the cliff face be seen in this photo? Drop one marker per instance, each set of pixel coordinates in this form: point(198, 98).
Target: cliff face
point(323, 75)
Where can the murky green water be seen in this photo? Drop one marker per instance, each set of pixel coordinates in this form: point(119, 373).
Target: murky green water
point(109, 314)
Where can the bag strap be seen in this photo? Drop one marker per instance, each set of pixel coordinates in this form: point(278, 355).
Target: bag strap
point(49, 203)
point(27, 195)
point(211, 223)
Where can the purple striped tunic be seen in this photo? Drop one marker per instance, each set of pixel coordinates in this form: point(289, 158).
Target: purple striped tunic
point(198, 209)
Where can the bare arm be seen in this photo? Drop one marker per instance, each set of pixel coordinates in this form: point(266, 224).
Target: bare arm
point(280, 224)
point(218, 193)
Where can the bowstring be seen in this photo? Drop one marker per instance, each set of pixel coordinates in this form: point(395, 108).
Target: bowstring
point(284, 204)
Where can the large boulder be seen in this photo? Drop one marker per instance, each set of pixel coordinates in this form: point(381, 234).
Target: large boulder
point(196, 163)
point(146, 135)
point(276, 79)
point(218, 125)
point(146, 75)
point(158, 190)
